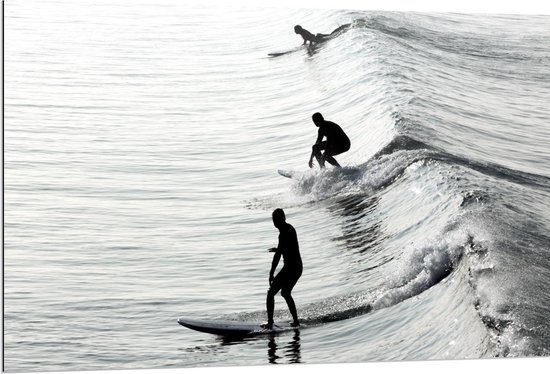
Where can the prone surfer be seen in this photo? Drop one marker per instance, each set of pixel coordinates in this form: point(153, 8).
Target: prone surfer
point(307, 36)
point(337, 142)
point(286, 279)
point(317, 38)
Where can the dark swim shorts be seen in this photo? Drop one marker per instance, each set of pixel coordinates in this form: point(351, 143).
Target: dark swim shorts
point(285, 280)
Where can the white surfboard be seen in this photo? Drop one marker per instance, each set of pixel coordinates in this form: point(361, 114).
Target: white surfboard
point(233, 328)
point(282, 53)
point(289, 174)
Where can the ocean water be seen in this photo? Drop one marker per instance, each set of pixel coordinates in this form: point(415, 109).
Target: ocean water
point(142, 145)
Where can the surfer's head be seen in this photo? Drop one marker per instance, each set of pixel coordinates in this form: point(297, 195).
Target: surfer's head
point(278, 217)
point(317, 119)
point(298, 29)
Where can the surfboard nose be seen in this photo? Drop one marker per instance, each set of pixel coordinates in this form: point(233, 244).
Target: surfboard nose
point(183, 322)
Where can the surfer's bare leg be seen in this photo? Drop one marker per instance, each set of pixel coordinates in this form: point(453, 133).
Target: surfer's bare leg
point(275, 287)
point(316, 152)
point(331, 160)
point(320, 160)
point(291, 306)
point(270, 303)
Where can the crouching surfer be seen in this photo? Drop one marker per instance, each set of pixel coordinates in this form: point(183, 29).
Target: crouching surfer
point(336, 142)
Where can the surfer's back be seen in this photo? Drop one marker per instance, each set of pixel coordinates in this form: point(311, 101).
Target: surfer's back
point(290, 249)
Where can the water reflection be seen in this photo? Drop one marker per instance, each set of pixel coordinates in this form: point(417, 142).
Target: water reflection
point(289, 352)
point(362, 231)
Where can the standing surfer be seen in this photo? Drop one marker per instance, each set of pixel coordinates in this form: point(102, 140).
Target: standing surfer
point(337, 142)
point(286, 279)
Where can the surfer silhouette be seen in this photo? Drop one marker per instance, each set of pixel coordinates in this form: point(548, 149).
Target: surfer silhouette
point(286, 279)
point(317, 38)
point(337, 142)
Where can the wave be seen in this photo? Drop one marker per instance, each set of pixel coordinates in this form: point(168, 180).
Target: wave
point(419, 209)
point(469, 231)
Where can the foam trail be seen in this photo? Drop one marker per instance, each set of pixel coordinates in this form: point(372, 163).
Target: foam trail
point(425, 266)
